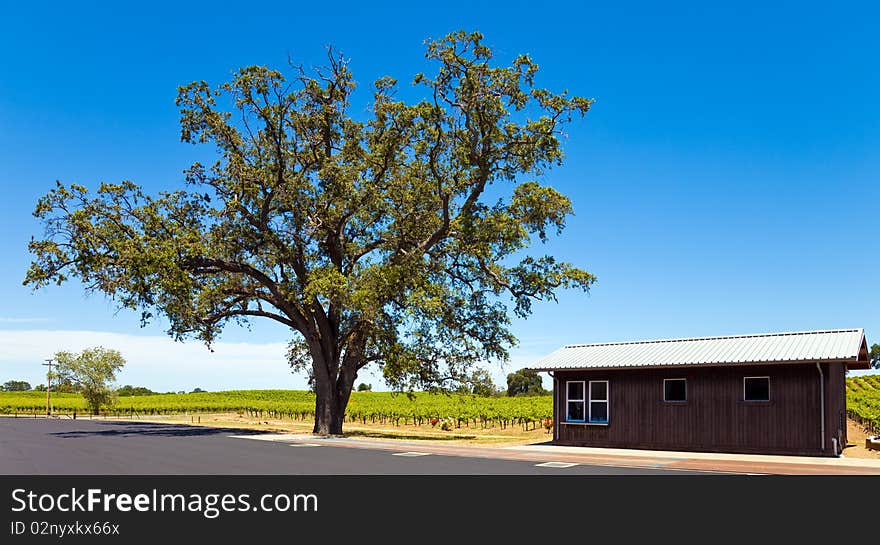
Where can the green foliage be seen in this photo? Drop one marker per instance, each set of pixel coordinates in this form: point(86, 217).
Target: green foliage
point(875, 356)
point(15, 386)
point(64, 385)
point(479, 383)
point(133, 391)
point(362, 387)
point(524, 382)
point(372, 237)
point(91, 372)
point(863, 399)
point(198, 391)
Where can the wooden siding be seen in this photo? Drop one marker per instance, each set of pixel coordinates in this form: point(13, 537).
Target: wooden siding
point(714, 417)
point(835, 397)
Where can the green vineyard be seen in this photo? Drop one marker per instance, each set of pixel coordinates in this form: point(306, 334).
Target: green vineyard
point(863, 401)
point(365, 407)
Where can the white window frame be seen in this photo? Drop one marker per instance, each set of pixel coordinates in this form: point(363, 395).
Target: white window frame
point(676, 400)
point(583, 399)
point(756, 400)
point(607, 402)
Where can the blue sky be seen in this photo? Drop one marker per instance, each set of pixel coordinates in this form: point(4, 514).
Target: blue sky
point(726, 180)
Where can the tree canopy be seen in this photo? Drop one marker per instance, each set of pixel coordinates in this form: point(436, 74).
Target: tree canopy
point(524, 382)
point(478, 383)
point(875, 356)
point(397, 237)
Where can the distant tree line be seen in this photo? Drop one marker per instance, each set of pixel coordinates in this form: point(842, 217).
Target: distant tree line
point(68, 387)
point(479, 383)
point(15, 386)
point(129, 390)
point(520, 383)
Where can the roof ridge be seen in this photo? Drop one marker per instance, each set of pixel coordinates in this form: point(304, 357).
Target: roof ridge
point(720, 337)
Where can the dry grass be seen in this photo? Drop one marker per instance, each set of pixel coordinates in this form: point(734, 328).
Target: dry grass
point(512, 435)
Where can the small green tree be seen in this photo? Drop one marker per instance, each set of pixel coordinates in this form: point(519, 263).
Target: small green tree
point(524, 382)
point(91, 371)
point(15, 386)
point(362, 387)
point(875, 356)
point(479, 383)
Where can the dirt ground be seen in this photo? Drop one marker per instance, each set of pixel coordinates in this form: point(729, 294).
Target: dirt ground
point(512, 435)
point(855, 447)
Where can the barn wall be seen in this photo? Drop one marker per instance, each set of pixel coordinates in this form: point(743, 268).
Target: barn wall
point(715, 417)
point(835, 427)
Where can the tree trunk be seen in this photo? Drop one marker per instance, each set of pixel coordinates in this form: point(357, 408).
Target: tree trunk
point(331, 399)
point(328, 417)
point(334, 382)
point(329, 410)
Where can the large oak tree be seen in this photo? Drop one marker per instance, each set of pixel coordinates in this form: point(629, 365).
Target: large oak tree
point(396, 237)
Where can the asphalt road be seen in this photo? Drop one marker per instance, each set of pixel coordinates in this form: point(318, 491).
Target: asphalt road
point(82, 447)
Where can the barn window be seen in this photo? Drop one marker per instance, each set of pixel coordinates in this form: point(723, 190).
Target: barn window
point(756, 388)
point(599, 401)
point(674, 389)
point(574, 401)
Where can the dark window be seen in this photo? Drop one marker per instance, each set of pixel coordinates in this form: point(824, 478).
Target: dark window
point(756, 388)
point(675, 389)
point(574, 402)
point(599, 390)
point(599, 401)
point(598, 411)
point(575, 411)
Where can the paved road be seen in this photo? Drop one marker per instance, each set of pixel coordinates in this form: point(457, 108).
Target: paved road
point(82, 447)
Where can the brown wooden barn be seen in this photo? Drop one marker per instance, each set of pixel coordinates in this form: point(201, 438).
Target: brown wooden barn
point(776, 393)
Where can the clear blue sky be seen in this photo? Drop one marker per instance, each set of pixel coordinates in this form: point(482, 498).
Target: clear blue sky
point(726, 180)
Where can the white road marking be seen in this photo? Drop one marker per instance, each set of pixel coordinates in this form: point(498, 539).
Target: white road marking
point(305, 445)
point(560, 465)
point(273, 437)
point(411, 454)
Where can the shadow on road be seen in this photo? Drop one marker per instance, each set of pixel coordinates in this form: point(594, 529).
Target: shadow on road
point(117, 429)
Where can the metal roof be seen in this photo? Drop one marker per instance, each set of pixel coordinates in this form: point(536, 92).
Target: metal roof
point(846, 345)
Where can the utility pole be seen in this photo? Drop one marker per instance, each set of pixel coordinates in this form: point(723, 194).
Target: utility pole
point(49, 387)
